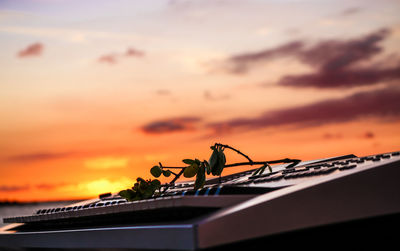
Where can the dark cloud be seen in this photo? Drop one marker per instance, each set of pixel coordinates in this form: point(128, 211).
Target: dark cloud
point(378, 103)
point(335, 55)
point(240, 64)
point(335, 62)
point(39, 156)
point(171, 125)
point(14, 188)
point(369, 135)
point(342, 79)
point(31, 50)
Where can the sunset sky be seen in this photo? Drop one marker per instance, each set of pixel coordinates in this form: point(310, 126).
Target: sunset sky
point(94, 93)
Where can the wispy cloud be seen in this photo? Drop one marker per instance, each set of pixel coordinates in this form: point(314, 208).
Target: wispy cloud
point(171, 125)
point(40, 156)
point(14, 188)
point(336, 63)
point(369, 135)
point(113, 58)
point(132, 52)
point(350, 11)
point(32, 50)
point(241, 63)
point(342, 79)
point(378, 103)
point(109, 59)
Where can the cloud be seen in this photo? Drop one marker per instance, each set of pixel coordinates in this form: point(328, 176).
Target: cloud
point(350, 11)
point(50, 186)
point(335, 62)
point(240, 64)
point(39, 156)
point(131, 52)
point(113, 58)
point(369, 135)
point(336, 55)
point(377, 104)
point(14, 188)
point(32, 50)
point(342, 79)
point(171, 125)
point(332, 135)
point(109, 59)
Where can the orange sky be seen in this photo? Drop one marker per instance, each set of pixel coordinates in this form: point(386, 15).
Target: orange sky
point(94, 93)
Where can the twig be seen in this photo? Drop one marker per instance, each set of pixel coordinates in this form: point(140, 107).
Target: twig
point(234, 149)
point(177, 176)
point(293, 161)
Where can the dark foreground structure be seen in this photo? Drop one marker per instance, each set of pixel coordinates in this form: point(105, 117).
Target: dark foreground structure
point(342, 202)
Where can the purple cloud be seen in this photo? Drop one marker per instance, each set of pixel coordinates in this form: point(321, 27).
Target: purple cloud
point(32, 50)
point(113, 58)
point(335, 62)
point(171, 125)
point(378, 103)
point(109, 59)
point(39, 156)
point(341, 79)
point(240, 64)
point(131, 52)
point(15, 188)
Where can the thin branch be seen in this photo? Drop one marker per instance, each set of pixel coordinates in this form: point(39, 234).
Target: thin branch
point(177, 176)
point(293, 161)
point(234, 149)
point(173, 173)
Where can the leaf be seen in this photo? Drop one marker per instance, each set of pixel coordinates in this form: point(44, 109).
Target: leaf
point(139, 179)
point(188, 161)
point(156, 183)
point(213, 161)
point(221, 163)
point(197, 162)
point(200, 178)
point(143, 186)
point(148, 192)
point(156, 171)
point(166, 173)
point(135, 187)
point(127, 194)
point(190, 171)
point(208, 167)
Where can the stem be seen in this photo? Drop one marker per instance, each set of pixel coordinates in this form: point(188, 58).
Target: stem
point(177, 176)
point(234, 149)
point(293, 161)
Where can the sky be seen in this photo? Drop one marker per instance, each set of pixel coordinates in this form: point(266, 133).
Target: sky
point(93, 93)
